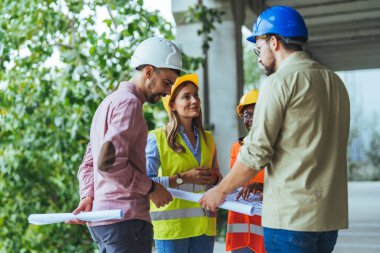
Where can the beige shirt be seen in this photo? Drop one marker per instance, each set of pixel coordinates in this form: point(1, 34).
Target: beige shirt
point(300, 131)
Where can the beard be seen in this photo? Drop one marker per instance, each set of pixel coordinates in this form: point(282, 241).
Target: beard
point(153, 97)
point(270, 67)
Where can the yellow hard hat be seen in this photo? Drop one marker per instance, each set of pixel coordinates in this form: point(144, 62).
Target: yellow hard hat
point(248, 98)
point(180, 80)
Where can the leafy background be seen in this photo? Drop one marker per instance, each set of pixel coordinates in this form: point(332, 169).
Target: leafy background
point(55, 68)
point(46, 109)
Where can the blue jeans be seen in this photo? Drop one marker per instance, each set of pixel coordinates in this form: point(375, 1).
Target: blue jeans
point(243, 250)
point(197, 244)
point(130, 236)
point(288, 241)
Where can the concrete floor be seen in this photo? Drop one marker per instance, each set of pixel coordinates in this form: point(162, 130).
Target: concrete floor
point(363, 236)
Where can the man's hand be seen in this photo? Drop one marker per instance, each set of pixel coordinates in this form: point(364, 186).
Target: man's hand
point(251, 188)
point(160, 196)
point(239, 174)
point(85, 205)
point(212, 199)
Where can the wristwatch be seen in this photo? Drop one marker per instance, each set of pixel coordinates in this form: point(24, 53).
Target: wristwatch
point(178, 180)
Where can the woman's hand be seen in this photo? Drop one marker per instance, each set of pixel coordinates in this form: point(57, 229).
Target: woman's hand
point(199, 175)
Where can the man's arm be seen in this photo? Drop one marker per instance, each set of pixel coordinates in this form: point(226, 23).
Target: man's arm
point(115, 162)
point(238, 176)
point(86, 174)
point(152, 165)
point(86, 185)
point(257, 150)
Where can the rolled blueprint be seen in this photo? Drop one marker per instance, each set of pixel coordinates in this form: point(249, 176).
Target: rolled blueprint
point(50, 218)
point(251, 207)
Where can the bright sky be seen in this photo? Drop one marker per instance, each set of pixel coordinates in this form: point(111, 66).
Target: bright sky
point(163, 6)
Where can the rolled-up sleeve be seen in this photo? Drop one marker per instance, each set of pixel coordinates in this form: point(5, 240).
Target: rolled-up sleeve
point(120, 138)
point(257, 150)
point(153, 162)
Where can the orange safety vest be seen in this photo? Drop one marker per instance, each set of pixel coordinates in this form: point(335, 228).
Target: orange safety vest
point(244, 230)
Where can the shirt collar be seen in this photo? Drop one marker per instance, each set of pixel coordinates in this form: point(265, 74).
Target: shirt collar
point(182, 130)
point(134, 89)
point(298, 55)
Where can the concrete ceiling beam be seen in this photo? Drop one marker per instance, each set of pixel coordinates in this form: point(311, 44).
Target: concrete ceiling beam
point(339, 18)
point(303, 3)
point(344, 26)
point(360, 34)
point(339, 8)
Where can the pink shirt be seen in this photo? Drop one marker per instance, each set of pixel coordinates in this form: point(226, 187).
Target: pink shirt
point(118, 119)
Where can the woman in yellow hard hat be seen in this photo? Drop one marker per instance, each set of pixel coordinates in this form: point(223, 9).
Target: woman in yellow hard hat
point(244, 233)
point(182, 155)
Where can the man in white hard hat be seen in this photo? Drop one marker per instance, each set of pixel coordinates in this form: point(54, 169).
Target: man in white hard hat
point(113, 172)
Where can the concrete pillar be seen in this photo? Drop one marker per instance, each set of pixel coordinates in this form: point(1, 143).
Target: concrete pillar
point(225, 68)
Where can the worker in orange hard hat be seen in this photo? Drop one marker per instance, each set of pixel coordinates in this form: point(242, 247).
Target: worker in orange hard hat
point(244, 232)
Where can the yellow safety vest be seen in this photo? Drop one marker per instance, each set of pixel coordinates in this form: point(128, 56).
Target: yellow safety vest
point(181, 218)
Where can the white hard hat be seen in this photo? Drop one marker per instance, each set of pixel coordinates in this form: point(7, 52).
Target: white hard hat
point(157, 52)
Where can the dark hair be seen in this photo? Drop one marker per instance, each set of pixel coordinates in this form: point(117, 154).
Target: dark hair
point(290, 43)
point(141, 67)
point(296, 46)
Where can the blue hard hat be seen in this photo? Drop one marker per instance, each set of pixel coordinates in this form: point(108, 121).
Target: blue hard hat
point(281, 20)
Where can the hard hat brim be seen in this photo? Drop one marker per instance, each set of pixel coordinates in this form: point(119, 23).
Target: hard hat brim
point(193, 78)
point(252, 39)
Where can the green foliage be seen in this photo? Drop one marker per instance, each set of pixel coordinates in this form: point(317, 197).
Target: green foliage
point(191, 63)
point(46, 110)
point(207, 17)
point(252, 72)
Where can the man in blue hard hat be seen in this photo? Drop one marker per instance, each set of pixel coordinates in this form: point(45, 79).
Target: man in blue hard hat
point(300, 133)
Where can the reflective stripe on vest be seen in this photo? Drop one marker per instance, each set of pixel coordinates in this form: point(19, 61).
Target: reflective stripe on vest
point(180, 218)
point(243, 228)
point(254, 229)
point(182, 213)
point(192, 187)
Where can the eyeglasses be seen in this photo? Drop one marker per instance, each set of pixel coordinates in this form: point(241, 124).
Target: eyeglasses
point(247, 115)
point(257, 48)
